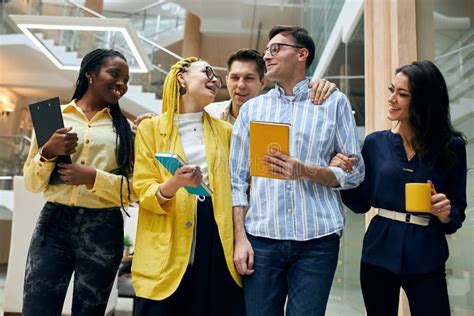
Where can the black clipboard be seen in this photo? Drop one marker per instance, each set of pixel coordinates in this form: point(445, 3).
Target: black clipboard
point(47, 118)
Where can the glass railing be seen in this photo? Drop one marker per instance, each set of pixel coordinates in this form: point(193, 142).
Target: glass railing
point(162, 59)
point(319, 18)
point(457, 65)
point(456, 62)
point(157, 19)
point(12, 157)
point(149, 21)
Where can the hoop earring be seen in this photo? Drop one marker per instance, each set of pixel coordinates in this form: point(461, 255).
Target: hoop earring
point(182, 90)
point(90, 80)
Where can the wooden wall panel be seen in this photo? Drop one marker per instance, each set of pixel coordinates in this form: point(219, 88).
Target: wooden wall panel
point(390, 42)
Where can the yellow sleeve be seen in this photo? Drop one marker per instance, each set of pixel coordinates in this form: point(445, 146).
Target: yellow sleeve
point(147, 176)
point(228, 130)
point(108, 185)
point(36, 172)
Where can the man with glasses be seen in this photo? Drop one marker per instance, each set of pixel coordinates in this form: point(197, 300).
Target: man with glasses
point(246, 80)
point(290, 241)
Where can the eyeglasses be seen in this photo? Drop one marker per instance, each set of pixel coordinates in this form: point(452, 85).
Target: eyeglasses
point(275, 48)
point(211, 75)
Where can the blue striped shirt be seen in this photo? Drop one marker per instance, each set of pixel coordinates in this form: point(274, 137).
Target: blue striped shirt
point(296, 209)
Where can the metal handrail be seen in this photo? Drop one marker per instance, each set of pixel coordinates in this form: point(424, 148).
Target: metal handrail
point(159, 46)
point(21, 150)
point(453, 52)
point(160, 69)
point(140, 36)
point(150, 6)
point(80, 6)
point(28, 139)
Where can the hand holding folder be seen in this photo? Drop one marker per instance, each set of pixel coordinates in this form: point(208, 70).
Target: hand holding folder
point(47, 119)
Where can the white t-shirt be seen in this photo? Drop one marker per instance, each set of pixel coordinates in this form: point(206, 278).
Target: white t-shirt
point(191, 132)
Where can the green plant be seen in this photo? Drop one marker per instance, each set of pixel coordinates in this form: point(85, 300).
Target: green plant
point(127, 241)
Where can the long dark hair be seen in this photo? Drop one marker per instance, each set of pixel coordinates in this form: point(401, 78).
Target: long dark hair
point(92, 62)
point(429, 114)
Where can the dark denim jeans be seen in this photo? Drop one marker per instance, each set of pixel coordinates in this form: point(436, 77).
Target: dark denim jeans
point(303, 270)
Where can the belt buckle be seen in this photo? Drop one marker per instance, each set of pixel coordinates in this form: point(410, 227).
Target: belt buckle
point(407, 218)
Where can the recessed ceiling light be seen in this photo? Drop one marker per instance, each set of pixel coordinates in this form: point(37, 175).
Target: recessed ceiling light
point(121, 26)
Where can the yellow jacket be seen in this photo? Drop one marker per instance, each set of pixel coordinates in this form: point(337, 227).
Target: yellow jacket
point(165, 228)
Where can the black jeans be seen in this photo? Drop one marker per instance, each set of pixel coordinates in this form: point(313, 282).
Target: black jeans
point(427, 293)
point(66, 239)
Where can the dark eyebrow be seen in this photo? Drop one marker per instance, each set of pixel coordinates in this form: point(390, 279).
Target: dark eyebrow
point(118, 70)
point(391, 85)
point(114, 68)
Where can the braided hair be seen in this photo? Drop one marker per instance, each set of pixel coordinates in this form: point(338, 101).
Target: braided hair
point(171, 105)
point(124, 151)
point(171, 95)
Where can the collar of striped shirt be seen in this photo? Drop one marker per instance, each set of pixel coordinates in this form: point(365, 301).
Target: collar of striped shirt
point(298, 89)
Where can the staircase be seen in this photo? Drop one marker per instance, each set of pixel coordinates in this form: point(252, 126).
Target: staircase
point(143, 88)
point(457, 66)
point(135, 102)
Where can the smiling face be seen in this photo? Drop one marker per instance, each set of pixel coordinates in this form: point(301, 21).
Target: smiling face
point(243, 82)
point(110, 83)
point(282, 64)
point(198, 86)
point(399, 99)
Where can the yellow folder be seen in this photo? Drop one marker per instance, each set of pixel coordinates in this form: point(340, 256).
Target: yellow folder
point(263, 137)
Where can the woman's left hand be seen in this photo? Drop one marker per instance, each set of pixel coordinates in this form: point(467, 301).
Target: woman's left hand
point(344, 162)
point(440, 205)
point(75, 174)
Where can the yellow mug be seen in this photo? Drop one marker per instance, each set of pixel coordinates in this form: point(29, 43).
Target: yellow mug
point(418, 197)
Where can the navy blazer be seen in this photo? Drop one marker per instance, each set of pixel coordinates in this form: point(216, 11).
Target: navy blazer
point(400, 247)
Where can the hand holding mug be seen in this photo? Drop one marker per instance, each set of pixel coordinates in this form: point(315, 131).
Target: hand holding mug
point(440, 205)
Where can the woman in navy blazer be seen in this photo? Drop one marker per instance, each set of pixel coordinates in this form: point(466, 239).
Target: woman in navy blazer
point(401, 249)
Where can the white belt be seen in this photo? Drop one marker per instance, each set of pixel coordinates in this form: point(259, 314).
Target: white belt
point(403, 217)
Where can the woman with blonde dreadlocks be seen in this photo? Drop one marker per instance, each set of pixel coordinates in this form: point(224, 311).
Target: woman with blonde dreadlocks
point(182, 263)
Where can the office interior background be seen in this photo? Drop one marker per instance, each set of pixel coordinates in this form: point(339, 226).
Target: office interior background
point(359, 44)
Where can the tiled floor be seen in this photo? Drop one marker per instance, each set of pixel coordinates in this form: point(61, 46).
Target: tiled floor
point(337, 305)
